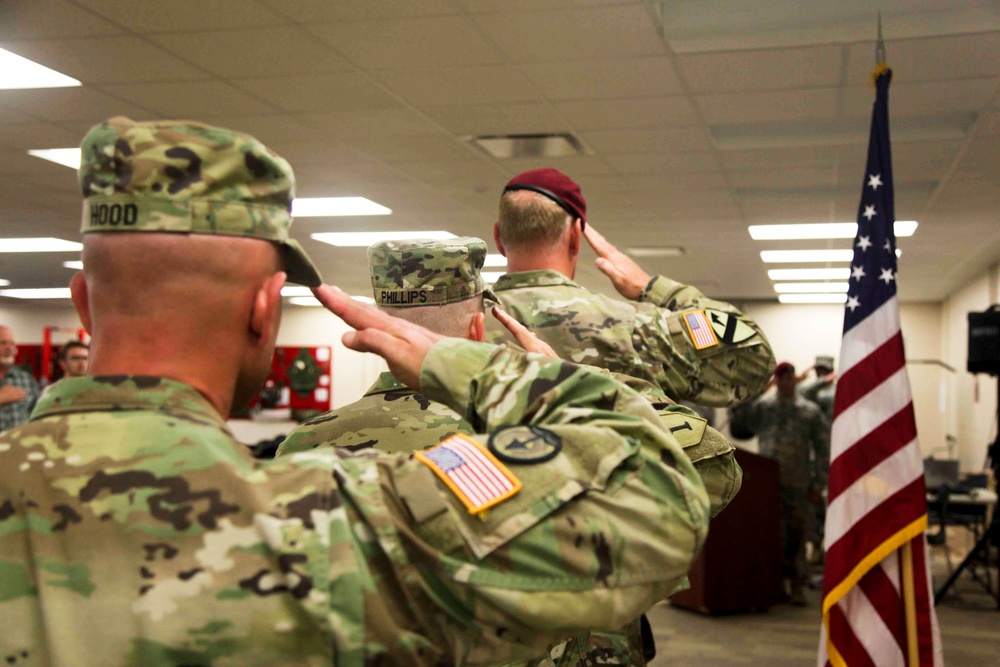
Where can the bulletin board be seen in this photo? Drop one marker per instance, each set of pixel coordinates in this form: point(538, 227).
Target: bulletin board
point(300, 381)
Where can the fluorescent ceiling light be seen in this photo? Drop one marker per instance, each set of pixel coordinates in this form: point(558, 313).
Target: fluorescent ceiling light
point(77, 265)
point(809, 274)
point(40, 293)
point(364, 299)
point(802, 288)
point(491, 276)
point(322, 207)
point(495, 260)
point(365, 239)
point(17, 72)
point(67, 157)
point(826, 230)
point(812, 298)
point(788, 256)
point(661, 251)
point(38, 245)
point(4, 283)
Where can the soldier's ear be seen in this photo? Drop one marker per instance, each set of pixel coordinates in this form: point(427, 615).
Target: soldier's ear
point(575, 229)
point(496, 238)
point(477, 328)
point(78, 293)
point(265, 314)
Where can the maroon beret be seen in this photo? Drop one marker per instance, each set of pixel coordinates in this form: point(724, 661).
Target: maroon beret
point(783, 369)
point(555, 185)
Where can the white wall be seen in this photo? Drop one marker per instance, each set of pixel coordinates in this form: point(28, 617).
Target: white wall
point(798, 333)
point(973, 397)
point(353, 372)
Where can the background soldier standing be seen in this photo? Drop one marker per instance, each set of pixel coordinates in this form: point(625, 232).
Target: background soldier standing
point(694, 348)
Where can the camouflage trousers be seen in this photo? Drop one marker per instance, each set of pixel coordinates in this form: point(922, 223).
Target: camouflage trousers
point(595, 649)
point(795, 520)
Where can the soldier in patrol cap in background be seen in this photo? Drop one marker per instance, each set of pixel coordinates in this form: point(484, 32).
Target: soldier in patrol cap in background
point(694, 348)
point(438, 284)
point(134, 529)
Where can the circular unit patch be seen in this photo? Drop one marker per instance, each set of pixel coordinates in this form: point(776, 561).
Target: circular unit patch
point(524, 444)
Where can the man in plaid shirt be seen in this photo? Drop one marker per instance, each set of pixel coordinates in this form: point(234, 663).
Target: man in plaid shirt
point(18, 389)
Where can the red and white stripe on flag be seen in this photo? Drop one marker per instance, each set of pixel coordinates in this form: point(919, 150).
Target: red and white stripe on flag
point(877, 604)
point(700, 329)
point(474, 475)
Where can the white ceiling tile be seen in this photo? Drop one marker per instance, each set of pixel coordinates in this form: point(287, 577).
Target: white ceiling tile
point(475, 168)
point(378, 123)
point(483, 84)
point(193, 99)
point(420, 42)
point(783, 178)
point(610, 142)
point(652, 163)
point(394, 150)
point(575, 167)
point(477, 119)
point(605, 78)
point(179, 15)
point(770, 158)
point(937, 58)
point(924, 99)
point(576, 34)
point(738, 71)
point(773, 106)
point(23, 138)
point(504, 6)
point(44, 19)
point(269, 129)
point(97, 60)
point(675, 110)
point(336, 91)
point(9, 116)
point(257, 52)
point(325, 11)
point(83, 104)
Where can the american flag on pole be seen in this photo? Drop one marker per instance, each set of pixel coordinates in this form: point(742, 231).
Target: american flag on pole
point(877, 602)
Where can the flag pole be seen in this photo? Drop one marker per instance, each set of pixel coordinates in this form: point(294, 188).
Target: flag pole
point(906, 552)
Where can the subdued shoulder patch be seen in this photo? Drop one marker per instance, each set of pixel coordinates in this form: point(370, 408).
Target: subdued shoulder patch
point(525, 444)
point(474, 475)
point(700, 329)
point(688, 430)
point(729, 328)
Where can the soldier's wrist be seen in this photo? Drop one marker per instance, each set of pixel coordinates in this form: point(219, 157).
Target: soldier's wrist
point(448, 369)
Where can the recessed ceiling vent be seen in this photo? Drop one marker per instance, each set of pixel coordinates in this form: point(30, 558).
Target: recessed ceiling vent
point(530, 145)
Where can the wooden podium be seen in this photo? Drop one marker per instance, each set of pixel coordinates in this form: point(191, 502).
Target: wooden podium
point(739, 568)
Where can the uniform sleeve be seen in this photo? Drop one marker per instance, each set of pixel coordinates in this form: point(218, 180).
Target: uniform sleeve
point(821, 447)
point(596, 535)
point(732, 370)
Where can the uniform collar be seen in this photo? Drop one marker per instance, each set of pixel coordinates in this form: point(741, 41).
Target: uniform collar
point(119, 393)
point(386, 382)
point(541, 278)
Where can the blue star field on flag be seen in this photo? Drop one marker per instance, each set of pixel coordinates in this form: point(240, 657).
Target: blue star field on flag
point(873, 269)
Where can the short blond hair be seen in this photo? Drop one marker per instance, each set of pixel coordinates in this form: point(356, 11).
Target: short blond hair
point(527, 218)
point(449, 319)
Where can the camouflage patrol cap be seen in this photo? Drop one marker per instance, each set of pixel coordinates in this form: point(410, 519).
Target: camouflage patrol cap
point(186, 177)
point(425, 272)
point(824, 361)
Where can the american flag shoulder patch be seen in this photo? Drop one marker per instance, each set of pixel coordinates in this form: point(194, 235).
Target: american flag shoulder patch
point(700, 329)
point(472, 473)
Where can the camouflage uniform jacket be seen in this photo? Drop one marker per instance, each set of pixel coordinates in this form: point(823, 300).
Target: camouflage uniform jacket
point(646, 338)
point(15, 414)
point(795, 433)
point(821, 392)
point(135, 531)
point(390, 417)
